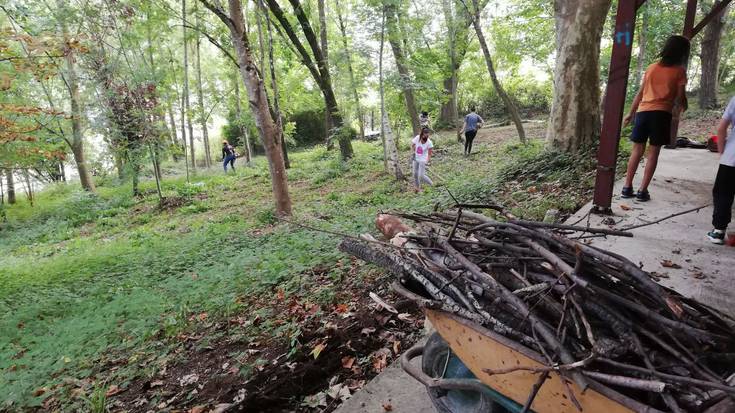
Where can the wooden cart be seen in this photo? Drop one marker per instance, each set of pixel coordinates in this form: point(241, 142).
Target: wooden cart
point(452, 370)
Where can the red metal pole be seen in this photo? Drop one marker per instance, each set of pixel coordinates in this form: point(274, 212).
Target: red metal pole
point(617, 84)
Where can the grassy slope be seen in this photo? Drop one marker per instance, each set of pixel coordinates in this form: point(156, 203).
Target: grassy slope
point(86, 279)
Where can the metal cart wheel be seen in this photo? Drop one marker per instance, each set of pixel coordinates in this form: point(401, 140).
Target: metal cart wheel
point(438, 361)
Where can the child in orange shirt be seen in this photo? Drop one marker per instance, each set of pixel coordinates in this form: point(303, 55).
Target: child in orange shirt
point(662, 93)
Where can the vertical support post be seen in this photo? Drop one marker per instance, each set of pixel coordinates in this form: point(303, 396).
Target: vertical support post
point(617, 84)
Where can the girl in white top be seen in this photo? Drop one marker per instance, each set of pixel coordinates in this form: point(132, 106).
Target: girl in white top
point(421, 146)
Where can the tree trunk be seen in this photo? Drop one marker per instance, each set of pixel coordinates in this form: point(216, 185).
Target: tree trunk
point(200, 98)
point(394, 38)
point(642, 45)
point(449, 113)
point(182, 113)
point(574, 122)
point(77, 142)
point(390, 151)
point(325, 52)
point(710, 59)
point(174, 137)
point(274, 87)
point(29, 186)
point(351, 72)
point(187, 105)
point(11, 185)
point(238, 112)
point(319, 71)
point(258, 103)
point(509, 105)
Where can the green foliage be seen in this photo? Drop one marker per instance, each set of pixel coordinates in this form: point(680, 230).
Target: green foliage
point(310, 127)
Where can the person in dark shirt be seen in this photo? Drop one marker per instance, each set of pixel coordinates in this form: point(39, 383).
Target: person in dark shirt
point(228, 155)
point(472, 122)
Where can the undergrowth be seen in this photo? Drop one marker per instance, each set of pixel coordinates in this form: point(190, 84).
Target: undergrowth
point(88, 279)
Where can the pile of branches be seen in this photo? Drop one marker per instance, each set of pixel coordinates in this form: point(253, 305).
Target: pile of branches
point(593, 315)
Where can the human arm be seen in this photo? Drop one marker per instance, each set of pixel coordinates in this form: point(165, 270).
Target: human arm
point(722, 134)
point(428, 158)
point(634, 107)
point(480, 121)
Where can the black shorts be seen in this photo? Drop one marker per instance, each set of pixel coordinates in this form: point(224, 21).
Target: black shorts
point(654, 125)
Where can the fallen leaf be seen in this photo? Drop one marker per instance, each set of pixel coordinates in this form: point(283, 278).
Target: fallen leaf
point(380, 362)
point(188, 379)
point(197, 409)
point(625, 207)
point(367, 331)
point(318, 350)
point(39, 391)
point(156, 383)
point(280, 294)
point(396, 347)
point(405, 317)
point(339, 392)
point(315, 400)
point(347, 362)
point(670, 264)
point(341, 308)
point(113, 390)
point(532, 189)
point(382, 303)
point(387, 407)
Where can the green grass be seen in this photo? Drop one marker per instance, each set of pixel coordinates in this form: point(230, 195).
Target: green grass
point(85, 279)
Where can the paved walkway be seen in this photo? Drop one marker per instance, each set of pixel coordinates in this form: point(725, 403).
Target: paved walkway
point(683, 180)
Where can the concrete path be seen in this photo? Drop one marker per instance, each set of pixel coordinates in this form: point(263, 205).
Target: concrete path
point(683, 180)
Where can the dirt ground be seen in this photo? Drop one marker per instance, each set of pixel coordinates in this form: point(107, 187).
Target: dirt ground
point(331, 353)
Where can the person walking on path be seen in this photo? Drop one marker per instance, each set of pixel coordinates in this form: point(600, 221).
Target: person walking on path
point(472, 122)
point(662, 94)
point(421, 147)
point(723, 192)
point(228, 155)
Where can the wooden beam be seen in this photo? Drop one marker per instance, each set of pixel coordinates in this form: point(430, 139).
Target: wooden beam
point(691, 14)
point(716, 12)
point(614, 103)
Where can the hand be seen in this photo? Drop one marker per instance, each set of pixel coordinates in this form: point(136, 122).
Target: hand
point(627, 119)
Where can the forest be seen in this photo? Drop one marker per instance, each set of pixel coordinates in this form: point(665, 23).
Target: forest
point(137, 274)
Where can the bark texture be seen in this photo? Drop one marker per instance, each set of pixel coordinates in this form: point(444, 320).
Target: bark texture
point(396, 43)
point(187, 105)
point(710, 57)
point(509, 105)
point(243, 131)
point(258, 101)
point(77, 112)
point(390, 151)
point(351, 72)
point(317, 67)
point(575, 121)
point(200, 102)
point(10, 185)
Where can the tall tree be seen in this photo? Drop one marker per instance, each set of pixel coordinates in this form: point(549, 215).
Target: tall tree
point(318, 70)
point(200, 100)
point(325, 48)
point(395, 38)
point(458, 21)
point(348, 57)
point(259, 105)
point(574, 122)
point(390, 151)
point(509, 105)
point(710, 62)
point(77, 109)
point(187, 105)
point(240, 126)
point(10, 185)
point(277, 115)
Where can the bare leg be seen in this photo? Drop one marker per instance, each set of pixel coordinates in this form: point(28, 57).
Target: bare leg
point(651, 162)
point(635, 158)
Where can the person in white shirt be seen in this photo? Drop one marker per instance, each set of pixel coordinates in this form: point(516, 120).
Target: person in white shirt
point(723, 192)
point(421, 146)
